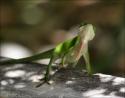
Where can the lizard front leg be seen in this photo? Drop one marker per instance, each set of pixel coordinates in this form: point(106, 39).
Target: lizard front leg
point(87, 60)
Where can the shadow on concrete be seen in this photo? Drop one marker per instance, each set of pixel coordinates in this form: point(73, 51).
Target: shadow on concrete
point(19, 81)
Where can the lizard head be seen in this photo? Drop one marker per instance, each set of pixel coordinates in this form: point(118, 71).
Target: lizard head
point(86, 32)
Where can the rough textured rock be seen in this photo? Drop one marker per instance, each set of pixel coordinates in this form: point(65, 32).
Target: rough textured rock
point(19, 81)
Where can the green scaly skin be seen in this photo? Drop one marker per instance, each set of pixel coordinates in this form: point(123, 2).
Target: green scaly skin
point(69, 51)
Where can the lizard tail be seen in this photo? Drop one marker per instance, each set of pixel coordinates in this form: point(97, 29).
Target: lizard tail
point(35, 57)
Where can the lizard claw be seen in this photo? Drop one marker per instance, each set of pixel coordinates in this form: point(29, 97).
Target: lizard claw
point(40, 84)
point(43, 81)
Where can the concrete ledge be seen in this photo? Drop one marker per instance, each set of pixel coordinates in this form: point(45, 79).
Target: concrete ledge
point(19, 81)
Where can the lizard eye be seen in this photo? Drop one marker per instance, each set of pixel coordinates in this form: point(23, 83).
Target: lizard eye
point(83, 24)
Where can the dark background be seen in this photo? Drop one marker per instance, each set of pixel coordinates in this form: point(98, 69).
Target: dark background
point(37, 24)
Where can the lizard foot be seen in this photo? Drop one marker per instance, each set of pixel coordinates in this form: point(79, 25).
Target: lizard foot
point(43, 81)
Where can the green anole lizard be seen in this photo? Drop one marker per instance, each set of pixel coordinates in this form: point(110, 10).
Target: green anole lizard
point(69, 51)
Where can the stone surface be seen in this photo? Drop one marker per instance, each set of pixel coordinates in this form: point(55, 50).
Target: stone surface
point(19, 81)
